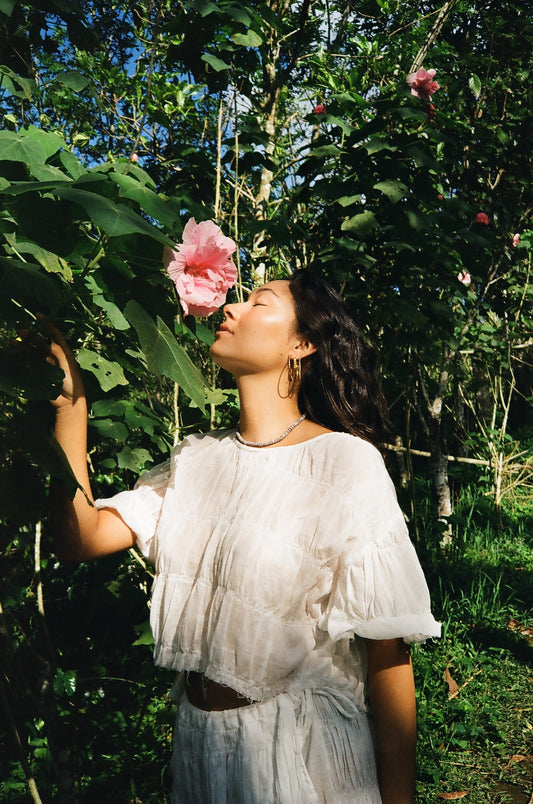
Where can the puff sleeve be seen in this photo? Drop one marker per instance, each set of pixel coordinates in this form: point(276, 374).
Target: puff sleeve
point(141, 507)
point(379, 590)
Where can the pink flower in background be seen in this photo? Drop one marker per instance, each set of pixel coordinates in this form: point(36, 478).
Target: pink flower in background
point(516, 239)
point(201, 267)
point(319, 109)
point(464, 277)
point(422, 84)
point(134, 158)
point(482, 218)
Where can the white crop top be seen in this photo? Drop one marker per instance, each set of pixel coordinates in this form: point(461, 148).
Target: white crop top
point(268, 561)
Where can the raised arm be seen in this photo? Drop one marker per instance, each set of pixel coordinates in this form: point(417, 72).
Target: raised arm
point(392, 702)
point(80, 530)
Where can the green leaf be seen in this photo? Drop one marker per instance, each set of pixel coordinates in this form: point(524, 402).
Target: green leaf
point(108, 428)
point(362, 224)
point(113, 312)
point(51, 262)
point(7, 6)
point(217, 64)
point(164, 355)
point(474, 85)
point(15, 84)
point(133, 459)
point(249, 39)
point(145, 634)
point(71, 164)
point(113, 219)
point(204, 7)
point(108, 373)
point(73, 80)
point(65, 682)
point(151, 203)
point(28, 285)
point(392, 188)
point(49, 456)
point(239, 14)
point(348, 200)
point(376, 145)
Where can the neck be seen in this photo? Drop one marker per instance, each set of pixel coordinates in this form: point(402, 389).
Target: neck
point(264, 413)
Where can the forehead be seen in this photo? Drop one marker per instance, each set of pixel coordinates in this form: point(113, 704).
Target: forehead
point(279, 287)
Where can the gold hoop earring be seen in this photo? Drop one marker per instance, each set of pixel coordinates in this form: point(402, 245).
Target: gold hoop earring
point(294, 370)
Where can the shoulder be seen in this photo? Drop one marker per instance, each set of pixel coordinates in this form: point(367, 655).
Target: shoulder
point(200, 443)
point(346, 462)
point(350, 449)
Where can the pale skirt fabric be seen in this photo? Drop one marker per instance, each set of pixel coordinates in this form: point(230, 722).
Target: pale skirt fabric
point(311, 747)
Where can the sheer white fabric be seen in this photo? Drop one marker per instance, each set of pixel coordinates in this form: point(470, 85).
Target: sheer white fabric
point(295, 748)
point(269, 562)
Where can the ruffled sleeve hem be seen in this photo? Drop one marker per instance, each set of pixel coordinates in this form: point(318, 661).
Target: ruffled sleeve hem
point(140, 508)
point(409, 627)
point(380, 593)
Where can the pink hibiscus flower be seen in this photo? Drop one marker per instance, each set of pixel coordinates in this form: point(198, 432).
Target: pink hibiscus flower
point(464, 277)
point(422, 84)
point(201, 267)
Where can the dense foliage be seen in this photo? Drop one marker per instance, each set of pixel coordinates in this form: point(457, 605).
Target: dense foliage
point(292, 125)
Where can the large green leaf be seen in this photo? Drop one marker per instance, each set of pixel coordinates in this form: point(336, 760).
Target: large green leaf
point(73, 80)
point(29, 286)
point(217, 64)
point(164, 355)
point(151, 203)
point(51, 262)
point(362, 224)
point(393, 189)
point(15, 84)
point(113, 219)
point(249, 39)
point(31, 146)
point(108, 373)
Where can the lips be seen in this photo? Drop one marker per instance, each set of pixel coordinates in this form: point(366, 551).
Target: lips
point(225, 328)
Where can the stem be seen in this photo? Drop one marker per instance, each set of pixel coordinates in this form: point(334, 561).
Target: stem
point(218, 173)
point(238, 286)
point(176, 409)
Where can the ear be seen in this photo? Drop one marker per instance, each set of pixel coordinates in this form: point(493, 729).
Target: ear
point(302, 348)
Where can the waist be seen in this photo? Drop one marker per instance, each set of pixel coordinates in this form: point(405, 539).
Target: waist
point(210, 696)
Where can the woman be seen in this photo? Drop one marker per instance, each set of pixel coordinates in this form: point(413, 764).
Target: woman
point(286, 584)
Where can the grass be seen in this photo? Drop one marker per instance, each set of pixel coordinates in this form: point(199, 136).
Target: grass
point(475, 685)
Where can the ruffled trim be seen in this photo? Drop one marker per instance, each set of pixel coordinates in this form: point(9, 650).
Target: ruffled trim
point(381, 594)
point(140, 508)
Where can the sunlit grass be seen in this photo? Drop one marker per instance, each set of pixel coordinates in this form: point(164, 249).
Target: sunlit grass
point(475, 685)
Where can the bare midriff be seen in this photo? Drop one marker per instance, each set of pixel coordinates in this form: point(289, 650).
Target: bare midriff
point(210, 696)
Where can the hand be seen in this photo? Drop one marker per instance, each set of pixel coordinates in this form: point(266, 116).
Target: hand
point(59, 353)
point(48, 341)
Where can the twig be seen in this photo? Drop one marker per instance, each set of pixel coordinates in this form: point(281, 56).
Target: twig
point(456, 692)
point(435, 31)
point(424, 454)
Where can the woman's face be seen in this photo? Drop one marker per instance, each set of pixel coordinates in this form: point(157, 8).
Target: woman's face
point(257, 335)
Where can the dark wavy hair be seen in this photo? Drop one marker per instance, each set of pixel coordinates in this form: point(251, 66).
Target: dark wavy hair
point(339, 387)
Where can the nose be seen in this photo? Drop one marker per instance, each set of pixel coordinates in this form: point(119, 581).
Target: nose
point(229, 311)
